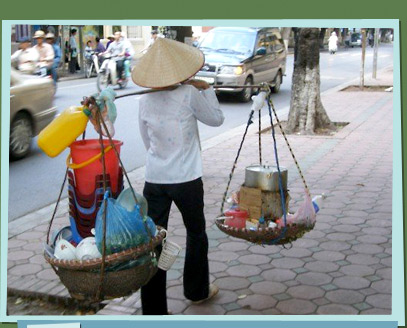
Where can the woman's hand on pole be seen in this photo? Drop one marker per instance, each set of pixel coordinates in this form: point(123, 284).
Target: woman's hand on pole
point(199, 84)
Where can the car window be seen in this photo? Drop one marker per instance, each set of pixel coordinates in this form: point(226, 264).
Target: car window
point(277, 43)
point(229, 42)
point(264, 42)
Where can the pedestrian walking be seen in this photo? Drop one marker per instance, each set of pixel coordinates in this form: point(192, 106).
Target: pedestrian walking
point(169, 129)
point(50, 37)
point(370, 39)
point(347, 40)
point(333, 43)
point(73, 52)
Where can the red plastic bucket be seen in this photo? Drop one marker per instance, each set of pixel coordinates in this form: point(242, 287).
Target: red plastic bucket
point(82, 151)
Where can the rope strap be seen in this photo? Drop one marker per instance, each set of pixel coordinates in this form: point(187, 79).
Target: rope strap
point(289, 147)
point(249, 121)
point(280, 179)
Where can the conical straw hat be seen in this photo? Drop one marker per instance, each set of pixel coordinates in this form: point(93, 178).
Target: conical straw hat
point(167, 62)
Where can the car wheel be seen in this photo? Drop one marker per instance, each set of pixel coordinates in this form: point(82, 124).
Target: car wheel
point(21, 133)
point(277, 83)
point(246, 94)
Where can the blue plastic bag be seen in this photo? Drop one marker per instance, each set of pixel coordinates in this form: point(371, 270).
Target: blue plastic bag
point(124, 229)
point(105, 100)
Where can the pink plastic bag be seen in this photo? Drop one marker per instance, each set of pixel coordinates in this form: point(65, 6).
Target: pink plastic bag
point(305, 214)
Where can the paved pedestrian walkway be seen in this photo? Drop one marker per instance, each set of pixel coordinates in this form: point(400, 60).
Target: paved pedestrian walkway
point(343, 266)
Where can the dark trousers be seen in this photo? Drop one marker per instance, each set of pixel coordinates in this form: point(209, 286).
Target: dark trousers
point(54, 72)
point(188, 197)
point(72, 64)
point(120, 66)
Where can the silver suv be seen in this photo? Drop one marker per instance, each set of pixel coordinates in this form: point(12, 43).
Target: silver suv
point(243, 56)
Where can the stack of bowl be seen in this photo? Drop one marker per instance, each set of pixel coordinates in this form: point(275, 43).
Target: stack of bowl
point(83, 208)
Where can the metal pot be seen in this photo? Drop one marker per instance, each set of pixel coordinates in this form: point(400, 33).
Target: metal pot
point(265, 177)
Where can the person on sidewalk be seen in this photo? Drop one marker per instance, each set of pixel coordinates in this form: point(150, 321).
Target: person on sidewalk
point(73, 51)
point(50, 37)
point(46, 53)
point(25, 59)
point(168, 126)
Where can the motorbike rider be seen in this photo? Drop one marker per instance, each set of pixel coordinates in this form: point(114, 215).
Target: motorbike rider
point(88, 51)
point(154, 36)
point(129, 53)
point(111, 39)
point(99, 50)
point(118, 51)
point(99, 46)
point(26, 57)
point(50, 37)
point(46, 53)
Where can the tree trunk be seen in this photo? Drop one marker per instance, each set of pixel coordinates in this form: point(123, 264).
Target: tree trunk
point(306, 110)
point(182, 32)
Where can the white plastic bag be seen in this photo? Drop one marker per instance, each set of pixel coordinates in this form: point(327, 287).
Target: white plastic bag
point(305, 214)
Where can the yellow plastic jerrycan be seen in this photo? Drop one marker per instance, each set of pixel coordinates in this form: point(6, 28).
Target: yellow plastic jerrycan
point(63, 130)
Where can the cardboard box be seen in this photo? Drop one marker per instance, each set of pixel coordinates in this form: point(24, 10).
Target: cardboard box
point(257, 202)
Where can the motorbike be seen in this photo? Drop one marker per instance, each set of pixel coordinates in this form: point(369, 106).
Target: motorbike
point(43, 72)
point(91, 64)
point(107, 75)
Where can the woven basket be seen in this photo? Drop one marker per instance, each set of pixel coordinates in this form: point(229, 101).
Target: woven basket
point(83, 285)
point(275, 236)
point(82, 278)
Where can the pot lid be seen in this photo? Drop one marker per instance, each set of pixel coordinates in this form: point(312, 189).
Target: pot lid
point(264, 168)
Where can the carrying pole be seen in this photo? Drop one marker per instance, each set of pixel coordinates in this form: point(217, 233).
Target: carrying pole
point(145, 91)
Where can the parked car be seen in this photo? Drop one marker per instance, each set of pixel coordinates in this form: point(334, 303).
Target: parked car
point(355, 40)
point(243, 56)
point(31, 109)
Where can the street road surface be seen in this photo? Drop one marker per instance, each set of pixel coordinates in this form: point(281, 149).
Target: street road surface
point(36, 180)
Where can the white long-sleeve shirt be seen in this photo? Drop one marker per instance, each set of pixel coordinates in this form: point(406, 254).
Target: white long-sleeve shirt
point(46, 54)
point(169, 128)
point(27, 59)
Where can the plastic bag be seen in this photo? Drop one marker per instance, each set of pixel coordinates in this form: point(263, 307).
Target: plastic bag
point(105, 102)
point(304, 215)
point(124, 229)
point(126, 199)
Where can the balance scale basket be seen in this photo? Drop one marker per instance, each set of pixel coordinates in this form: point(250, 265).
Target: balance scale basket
point(267, 236)
point(82, 278)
